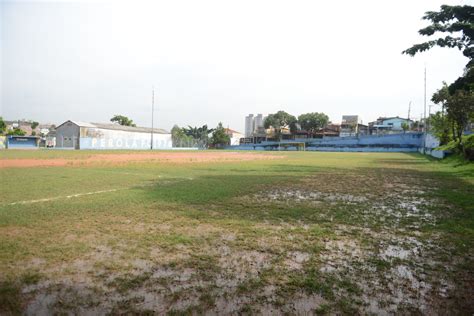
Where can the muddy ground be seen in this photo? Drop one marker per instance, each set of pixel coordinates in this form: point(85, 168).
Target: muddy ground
point(335, 242)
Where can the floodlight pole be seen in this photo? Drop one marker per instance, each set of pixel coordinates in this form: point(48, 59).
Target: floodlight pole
point(152, 112)
point(424, 125)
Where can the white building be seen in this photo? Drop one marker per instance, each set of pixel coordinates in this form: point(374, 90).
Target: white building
point(249, 125)
point(81, 135)
point(254, 124)
point(234, 136)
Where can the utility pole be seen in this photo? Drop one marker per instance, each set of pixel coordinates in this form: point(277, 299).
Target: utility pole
point(424, 101)
point(409, 108)
point(424, 124)
point(152, 112)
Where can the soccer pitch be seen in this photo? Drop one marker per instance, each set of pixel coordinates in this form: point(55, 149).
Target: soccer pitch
point(218, 232)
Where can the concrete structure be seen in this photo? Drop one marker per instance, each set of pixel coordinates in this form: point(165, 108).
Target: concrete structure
point(22, 142)
point(234, 136)
point(405, 142)
point(81, 135)
point(351, 125)
point(389, 125)
point(249, 125)
point(254, 125)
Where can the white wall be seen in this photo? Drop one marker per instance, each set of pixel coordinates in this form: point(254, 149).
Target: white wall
point(96, 138)
point(235, 139)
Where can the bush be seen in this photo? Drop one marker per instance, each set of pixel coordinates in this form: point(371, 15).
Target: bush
point(468, 142)
point(467, 148)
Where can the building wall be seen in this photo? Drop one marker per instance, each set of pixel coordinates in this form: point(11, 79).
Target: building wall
point(396, 123)
point(21, 142)
point(67, 136)
point(259, 122)
point(249, 125)
point(97, 138)
point(235, 139)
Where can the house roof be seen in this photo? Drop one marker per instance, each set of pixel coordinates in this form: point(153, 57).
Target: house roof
point(228, 130)
point(118, 127)
point(391, 118)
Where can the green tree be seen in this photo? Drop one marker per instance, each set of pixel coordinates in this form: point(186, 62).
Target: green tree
point(122, 120)
point(405, 126)
point(439, 122)
point(312, 122)
point(460, 109)
point(440, 126)
point(280, 120)
point(457, 111)
point(219, 136)
point(34, 125)
point(199, 134)
point(3, 126)
point(459, 22)
point(180, 139)
point(17, 131)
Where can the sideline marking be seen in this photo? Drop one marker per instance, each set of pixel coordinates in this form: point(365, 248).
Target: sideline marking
point(88, 193)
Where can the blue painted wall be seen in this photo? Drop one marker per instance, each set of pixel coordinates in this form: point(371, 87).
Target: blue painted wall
point(405, 142)
point(22, 142)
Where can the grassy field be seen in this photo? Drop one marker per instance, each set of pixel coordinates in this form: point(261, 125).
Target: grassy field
point(304, 233)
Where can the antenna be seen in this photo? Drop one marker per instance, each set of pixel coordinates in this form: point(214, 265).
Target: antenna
point(152, 112)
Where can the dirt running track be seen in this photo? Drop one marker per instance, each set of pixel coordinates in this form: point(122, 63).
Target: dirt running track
point(169, 157)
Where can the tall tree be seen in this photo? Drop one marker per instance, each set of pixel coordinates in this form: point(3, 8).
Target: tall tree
point(312, 122)
point(122, 120)
point(3, 126)
point(200, 134)
point(280, 120)
point(34, 125)
point(180, 139)
point(219, 136)
point(458, 21)
point(440, 126)
point(459, 112)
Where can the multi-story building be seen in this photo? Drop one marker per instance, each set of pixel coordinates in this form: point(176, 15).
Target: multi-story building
point(390, 125)
point(249, 125)
point(254, 125)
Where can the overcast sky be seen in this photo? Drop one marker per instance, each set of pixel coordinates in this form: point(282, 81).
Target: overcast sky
point(214, 61)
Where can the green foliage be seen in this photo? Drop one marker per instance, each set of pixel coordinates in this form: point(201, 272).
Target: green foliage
point(17, 131)
point(199, 134)
point(34, 125)
point(459, 109)
point(3, 126)
point(457, 20)
point(313, 121)
point(405, 126)
point(122, 120)
point(180, 139)
point(280, 120)
point(465, 147)
point(219, 136)
point(440, 126)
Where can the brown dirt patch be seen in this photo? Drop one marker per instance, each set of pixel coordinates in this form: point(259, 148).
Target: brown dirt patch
point(123, 158)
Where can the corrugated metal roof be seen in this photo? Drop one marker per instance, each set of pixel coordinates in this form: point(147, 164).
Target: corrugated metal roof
point(130, 128)
point(81, 124)
point(118, 127)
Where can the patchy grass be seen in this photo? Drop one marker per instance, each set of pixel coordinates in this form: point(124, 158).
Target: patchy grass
point(311, 233)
